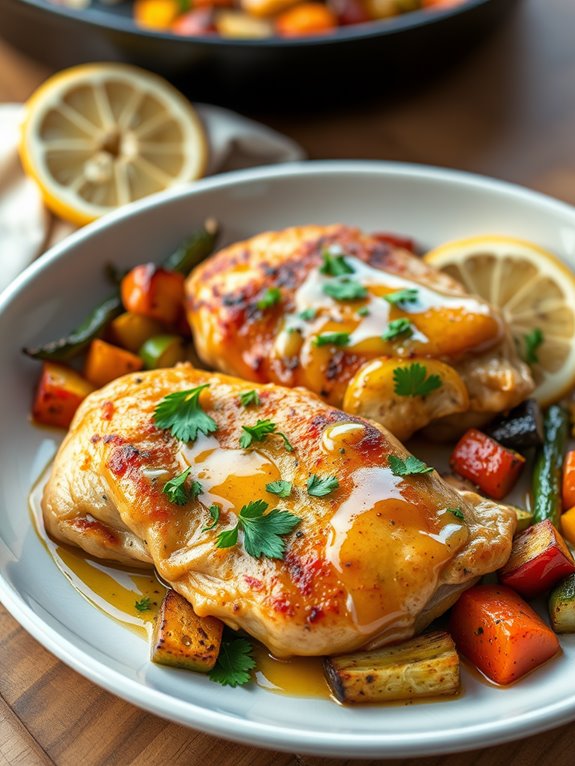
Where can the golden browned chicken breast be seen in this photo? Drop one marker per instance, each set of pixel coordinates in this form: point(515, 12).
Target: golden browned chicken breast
point(360, 554)
point(367, 326)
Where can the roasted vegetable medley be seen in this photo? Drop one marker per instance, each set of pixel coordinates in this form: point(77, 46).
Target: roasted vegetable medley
point(264, 18)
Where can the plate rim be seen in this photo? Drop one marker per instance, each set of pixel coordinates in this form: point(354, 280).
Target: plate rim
point(279, 736)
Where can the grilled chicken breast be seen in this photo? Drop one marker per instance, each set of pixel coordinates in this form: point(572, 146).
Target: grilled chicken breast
point(373, 560)
point(338, 311)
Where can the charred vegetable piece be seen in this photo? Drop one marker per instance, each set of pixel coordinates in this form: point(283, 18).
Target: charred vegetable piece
point(197, 247)
point(153, 292)
point(479, 458)
point(546, 481)
point(425, 666)
point(106, 362)
point(568, 486)
point(184, 640)
point(60, 392)
point(162, 351)
point(568, 525)
point(562, 606)
point(539, 559)
point(520, 429)
point(524, 518)
point(500, 633)
point(131, 331)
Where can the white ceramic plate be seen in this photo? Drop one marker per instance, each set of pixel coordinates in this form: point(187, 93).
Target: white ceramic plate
point(432, 205)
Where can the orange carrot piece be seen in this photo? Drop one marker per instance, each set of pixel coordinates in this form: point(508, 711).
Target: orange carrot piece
point(306, 19)
point(568, 489)
point(60, 392)
point(500, 633)
point(106, 362)
point(153, 292)
point(156, 14)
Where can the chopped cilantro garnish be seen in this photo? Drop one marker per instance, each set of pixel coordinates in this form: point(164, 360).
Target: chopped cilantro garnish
point(363, 311)
point(259, 432)
point(250, 399)
point(270, 298)
point(401, 297)
point(177, 491)
point(234, 662)
point(346, 290)
point(414, 381)
point(318, 486)
point(398, 328)
point(262, 533)
point(280, 488)
point(533, 340)
point(411, 465)
point(457, 512)
point(334, 264)
point(308, 314)
point(144, 604)
point(332, 339)
point(215, 514)
point(181, 413)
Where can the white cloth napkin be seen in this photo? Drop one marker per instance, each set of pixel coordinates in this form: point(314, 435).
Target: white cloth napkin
point(27, 228)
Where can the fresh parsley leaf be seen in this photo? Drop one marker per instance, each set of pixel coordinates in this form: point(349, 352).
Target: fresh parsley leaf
point(320, 487)
point(271, 296)
point(332, 339)
point(215, 514)
point(334, 264)
point(280, 488)
point(144, 604)
point(414, 381)
point(262, 533)
point(533, 340)
point(457, 512)
point(363, 312)
point(259, 432)
point(346, 290)
point(401, 297)
point(308, 314)
point(181, 413)
point(397, 328)
point(176, 490)
point(234, 662)
point(411, 465)
point(250, 399)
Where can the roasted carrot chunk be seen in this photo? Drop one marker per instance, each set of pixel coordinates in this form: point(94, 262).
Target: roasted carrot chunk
point(106, 362)
point(306, 19)
point(568, 488)
point(59, 394)
point(500, 633)
point(482, 460)
point(153, 292)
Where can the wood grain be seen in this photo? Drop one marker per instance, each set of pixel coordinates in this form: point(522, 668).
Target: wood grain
point(507, 110)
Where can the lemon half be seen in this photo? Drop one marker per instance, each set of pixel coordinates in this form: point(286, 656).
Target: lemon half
point(536, 293)
point(98, 136)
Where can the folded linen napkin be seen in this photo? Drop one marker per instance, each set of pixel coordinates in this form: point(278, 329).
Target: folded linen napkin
point(27, 228)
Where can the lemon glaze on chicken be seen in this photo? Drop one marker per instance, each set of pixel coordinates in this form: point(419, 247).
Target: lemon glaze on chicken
point(458, 337)
point(372, 562)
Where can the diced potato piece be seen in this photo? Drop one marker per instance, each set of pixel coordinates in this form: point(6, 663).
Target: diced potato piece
point(59, 394)
point(425, 666)
point(131, 331)
point(184, 640)
point(242, 25)
point(106, 362)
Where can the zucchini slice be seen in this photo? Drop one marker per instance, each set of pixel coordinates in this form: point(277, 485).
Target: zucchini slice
point(425, 666)
point(184, 640)
point(562, 606)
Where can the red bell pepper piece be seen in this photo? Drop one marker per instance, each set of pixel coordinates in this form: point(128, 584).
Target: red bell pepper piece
point(395, 240)
point(539, 558)
point(485, 462)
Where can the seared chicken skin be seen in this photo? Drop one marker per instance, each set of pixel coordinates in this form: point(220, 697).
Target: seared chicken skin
point(372, 561)
point(338, 311)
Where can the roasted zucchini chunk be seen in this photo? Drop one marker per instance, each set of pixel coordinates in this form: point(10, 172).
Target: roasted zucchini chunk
point(562, 606)
point(184, 640)
point(425, 666)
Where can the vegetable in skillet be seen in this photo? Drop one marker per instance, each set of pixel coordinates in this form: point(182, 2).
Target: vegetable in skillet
point(195, 249)
point(520, 429)
point(546, 480)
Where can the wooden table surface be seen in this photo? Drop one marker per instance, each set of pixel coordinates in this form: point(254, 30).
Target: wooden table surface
point(508, 111)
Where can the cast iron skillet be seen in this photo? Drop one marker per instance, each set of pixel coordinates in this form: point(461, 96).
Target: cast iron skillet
point(356, 60)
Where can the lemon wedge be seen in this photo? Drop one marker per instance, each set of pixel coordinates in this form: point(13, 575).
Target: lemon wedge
point(536, 293)
point(98, 136)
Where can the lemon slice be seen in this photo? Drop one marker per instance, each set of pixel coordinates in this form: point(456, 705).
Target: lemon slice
point(98, 136)
point(536, 293)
